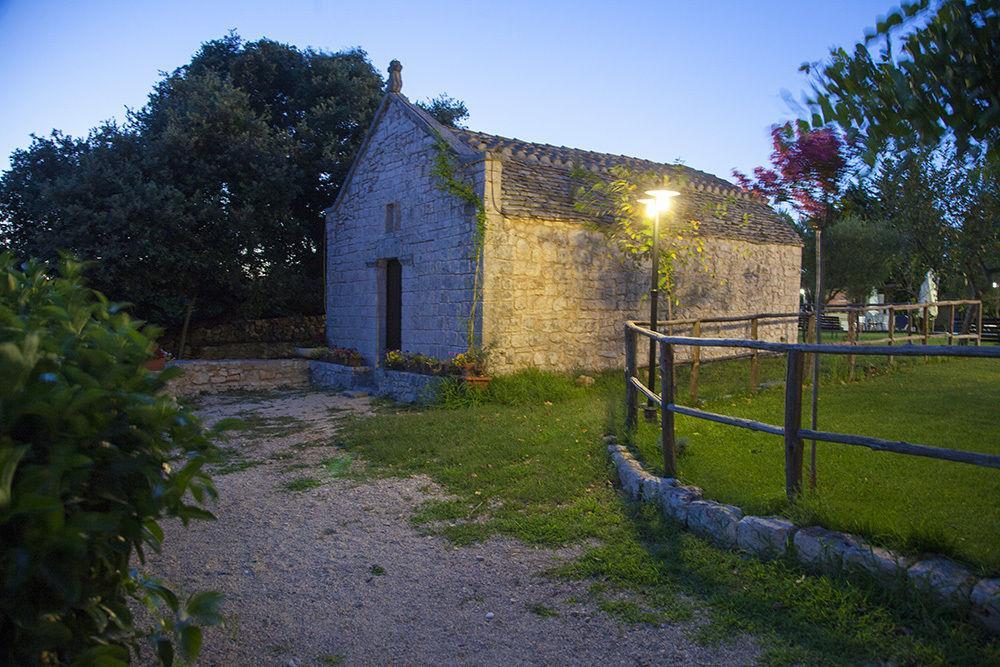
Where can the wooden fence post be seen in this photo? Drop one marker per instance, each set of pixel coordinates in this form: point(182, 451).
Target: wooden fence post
point(979, 324)
point(852, 338)
point(695, 365)
point(927, 325)
point(951, 323)
point(754, 369)
point(892, 328)
point(666, 414)
point(631, 393)
point(793, 423)
point(809, 338)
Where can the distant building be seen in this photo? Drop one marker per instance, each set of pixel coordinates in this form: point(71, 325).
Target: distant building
point(555, 294)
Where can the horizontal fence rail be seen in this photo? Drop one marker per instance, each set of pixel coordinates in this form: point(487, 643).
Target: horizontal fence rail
point(969, 329)
point(791, 430)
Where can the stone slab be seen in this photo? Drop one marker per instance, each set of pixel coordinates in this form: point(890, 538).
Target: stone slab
point(676, 501)
point(714, 521)
point(985, 598)
point(945, 579)
point(820, 547)
point(878, 562)
point(764, 536)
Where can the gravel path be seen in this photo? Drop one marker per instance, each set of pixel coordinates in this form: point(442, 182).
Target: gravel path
point(338, 575)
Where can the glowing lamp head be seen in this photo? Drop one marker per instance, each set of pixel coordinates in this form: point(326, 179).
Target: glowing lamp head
point(650, 205)
point(661, 199)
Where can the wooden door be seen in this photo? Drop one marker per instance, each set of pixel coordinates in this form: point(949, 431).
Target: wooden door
point(393, 305)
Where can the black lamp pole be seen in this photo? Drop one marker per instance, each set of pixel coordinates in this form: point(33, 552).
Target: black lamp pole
point(654, 293)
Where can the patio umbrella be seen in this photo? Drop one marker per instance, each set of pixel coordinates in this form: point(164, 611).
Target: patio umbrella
point(928, 293)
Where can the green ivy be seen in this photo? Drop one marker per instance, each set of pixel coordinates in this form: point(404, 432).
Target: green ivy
point(445, 171)
point(613, 201)
point(93, 456)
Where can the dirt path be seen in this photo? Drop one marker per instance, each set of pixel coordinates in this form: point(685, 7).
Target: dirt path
point(337, 574)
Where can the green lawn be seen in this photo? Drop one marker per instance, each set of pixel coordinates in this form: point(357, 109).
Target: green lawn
point(909, 503)
point(526, 460)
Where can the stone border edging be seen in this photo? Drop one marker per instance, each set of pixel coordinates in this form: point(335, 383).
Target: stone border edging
point(814, 547)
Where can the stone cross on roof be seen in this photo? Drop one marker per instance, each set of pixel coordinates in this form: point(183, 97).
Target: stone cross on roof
point(395, 77)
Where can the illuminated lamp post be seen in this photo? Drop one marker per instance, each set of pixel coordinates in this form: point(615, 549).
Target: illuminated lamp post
point(658, 202)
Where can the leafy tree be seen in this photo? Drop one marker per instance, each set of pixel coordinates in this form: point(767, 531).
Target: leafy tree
point(941, 82)
point(860, 255)
point(213, 192)
point(807, 172)
point(946, 210)
point(446, 110)
point(93, 456)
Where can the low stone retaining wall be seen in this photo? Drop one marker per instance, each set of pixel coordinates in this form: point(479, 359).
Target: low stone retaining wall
point(400, 386)
point(202, 376)
point(815, 547)
point(336, 376)
point(407, 387)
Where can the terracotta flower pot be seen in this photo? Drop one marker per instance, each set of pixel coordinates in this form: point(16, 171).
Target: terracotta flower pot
point(478, 382)
point(156, 364)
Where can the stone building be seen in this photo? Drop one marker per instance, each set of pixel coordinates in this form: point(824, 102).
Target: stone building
point(554, 293)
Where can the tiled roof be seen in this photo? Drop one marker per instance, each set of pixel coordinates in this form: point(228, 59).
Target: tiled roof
point(537, 183)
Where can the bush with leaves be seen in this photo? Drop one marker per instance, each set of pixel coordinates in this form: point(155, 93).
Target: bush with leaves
point(92, 457)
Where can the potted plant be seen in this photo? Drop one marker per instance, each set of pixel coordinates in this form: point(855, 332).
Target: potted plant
point(472, 366)
point(159, 360)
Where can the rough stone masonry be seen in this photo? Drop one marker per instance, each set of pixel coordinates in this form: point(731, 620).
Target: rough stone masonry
point(552, 292)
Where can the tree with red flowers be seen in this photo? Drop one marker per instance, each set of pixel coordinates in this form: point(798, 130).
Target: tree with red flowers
point(807, 170)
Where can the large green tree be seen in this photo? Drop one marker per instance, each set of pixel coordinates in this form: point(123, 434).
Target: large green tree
point(212, 193)
point(920, 96)
point(928, 72)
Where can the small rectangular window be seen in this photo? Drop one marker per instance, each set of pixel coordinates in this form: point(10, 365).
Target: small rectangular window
point(390, 217)
point(393, 217)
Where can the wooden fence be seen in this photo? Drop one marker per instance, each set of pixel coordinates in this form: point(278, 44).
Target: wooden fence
point(696, 325)
point(791, 430)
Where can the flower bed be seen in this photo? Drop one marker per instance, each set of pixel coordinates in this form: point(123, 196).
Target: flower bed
point(467, 364)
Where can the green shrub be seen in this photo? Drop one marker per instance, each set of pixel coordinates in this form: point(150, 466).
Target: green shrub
point(92, 457)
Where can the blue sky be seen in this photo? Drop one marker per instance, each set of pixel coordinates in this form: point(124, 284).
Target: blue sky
point(697, 81)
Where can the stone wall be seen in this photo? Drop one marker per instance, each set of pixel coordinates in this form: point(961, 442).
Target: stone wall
point(214, 376)
point(336, 376)
point(816, 548)
point(429, 231)
point(400, 386)
point(272, 337)
point(556, 296)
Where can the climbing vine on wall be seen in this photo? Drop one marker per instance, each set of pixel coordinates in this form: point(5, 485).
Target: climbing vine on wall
point(613, 199)
point(445, 172)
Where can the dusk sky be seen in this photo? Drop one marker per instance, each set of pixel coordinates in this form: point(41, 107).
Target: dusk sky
point(697, 81)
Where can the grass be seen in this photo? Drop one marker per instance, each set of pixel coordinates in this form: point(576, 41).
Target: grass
point(337, 466)
point(532, 466)
point(258, 426)
point(227, 460)
point(300, 484)
point(543, 611)
point(908, 503)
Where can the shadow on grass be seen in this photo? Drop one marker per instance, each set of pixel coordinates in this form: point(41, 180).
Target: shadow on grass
point(796, 616)
point(533, 467)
